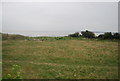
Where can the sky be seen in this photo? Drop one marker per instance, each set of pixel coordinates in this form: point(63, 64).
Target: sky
point(0, 17)
point(60, 0)
point(59, 16)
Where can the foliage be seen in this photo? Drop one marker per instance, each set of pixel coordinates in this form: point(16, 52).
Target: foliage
point(109, 35)
point(76, 34)
point(116, 35)
point(88, 34)
point(100, 36)
point(15, 74)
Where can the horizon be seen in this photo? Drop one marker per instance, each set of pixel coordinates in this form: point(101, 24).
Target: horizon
point(51, 33)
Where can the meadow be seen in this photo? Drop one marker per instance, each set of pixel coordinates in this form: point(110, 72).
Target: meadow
point(61, 58)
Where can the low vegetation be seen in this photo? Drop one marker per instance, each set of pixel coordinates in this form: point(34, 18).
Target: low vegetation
point(76, 34)
point(60, 58)
point(77, 56)
point(15, 73)
point(89, 34)
point(12, 37)
point(109, 35)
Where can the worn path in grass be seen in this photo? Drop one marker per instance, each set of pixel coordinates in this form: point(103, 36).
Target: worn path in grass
point(62, 59)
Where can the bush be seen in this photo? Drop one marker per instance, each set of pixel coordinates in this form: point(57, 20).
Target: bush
point(59, 38)
point(76, 34)
point(108, 35)
point(116, 35)
point(100, 36)
point(88, 34)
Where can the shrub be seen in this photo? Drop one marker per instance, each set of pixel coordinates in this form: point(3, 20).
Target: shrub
point(88, 34)
point(116, 35)
point(100, 36)
point(59, 38)
point(108, 35)
point(76, 34)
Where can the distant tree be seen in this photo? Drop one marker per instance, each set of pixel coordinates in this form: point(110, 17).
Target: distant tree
point(108, 35)
point(101, 36)
point(88, 34)
point(76, 34)
point(116, 35)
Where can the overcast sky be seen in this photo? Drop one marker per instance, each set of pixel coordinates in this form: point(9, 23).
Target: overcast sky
point(59, 16)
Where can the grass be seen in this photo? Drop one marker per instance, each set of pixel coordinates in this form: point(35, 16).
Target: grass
point(0, 56)
point(62, 58)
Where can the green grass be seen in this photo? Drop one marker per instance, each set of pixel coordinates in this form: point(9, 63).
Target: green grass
point(62, 58)
point(0, 56)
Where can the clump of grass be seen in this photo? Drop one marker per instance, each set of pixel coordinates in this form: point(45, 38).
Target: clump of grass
point(15, 74)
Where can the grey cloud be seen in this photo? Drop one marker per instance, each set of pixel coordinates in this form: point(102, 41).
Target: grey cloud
point(60, 16)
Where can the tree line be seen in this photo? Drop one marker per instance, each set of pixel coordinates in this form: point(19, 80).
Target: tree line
point(89, 34)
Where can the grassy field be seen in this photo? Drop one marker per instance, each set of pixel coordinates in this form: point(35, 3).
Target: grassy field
point(62, 59)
